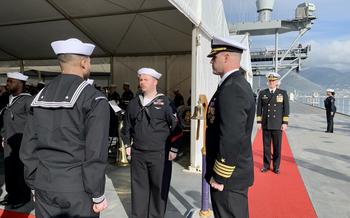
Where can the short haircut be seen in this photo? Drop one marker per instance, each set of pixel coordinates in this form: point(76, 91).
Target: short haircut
point(65, 58)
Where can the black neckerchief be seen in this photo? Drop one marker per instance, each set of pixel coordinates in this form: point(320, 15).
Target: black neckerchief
point(146, 107)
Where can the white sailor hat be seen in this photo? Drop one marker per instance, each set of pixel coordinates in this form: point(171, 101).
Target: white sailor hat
point(220, 44)
point(272, 76)
point(126, 83)
point(330, 90)
point(17, 75)
point(149, 71)
point(72, 46)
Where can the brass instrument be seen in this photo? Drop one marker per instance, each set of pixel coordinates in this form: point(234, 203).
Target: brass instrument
point(199, 112)
point(121, 157)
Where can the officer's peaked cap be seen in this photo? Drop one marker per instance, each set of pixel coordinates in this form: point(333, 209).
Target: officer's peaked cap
point(272, 76)
point(221, 44)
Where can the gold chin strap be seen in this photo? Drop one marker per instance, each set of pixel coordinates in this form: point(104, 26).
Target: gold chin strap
point(219, 49)
point(216, 50)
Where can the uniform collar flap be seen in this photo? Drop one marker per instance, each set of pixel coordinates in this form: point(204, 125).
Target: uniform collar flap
point(63, 101)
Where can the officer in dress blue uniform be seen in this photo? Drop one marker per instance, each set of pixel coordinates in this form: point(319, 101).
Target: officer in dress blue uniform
point(329, 104)
point(14, 117)
point(272, 117)
point(66, 139)
point(230, 120)
point(151, 134)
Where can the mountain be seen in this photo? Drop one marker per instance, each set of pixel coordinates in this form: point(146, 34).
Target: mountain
point(327, 77)
point(316, 79)
point(292, 82)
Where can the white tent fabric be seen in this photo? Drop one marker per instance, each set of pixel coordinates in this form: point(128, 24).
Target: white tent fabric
point(209, 18)
point(172, 36)
point(175, 69)
point(117, 27)
point(208, 15)
point(245, 59)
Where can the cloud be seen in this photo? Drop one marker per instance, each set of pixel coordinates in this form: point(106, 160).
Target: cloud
point(334, 54)
point(329, 36)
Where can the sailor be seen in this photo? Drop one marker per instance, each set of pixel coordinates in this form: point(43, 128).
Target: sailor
point(113, 94)
point(230, 120)
point(152, 126)
point(178, 99)
point(126, 96)
point(329, 104)
point(272, 117)
point(14, 118)
point(66, 139)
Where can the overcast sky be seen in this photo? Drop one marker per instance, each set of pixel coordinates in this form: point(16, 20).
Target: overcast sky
point(329, 36)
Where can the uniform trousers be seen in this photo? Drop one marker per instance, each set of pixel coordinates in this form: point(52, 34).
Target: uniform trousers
point(230, 203)
point(330, 122)
point(16, 188)
point(50, 204)
point(276, 137)
point(150, 182)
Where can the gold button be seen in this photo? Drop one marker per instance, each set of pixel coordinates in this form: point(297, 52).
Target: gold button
point(274, 104)
point(268, 115)
point(268, 104)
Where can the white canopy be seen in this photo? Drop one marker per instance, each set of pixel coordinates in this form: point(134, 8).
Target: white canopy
point(117, 27)
point(171, 36)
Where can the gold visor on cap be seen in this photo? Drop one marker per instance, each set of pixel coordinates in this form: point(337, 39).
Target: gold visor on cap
point(272, 78)
point(216, 50)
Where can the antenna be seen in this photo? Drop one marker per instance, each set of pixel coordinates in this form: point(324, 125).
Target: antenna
point(265, 60)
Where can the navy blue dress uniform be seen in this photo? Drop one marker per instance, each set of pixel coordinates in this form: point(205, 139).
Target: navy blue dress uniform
point(230, 119)
point(152, 130)
point(126, 96)
point(66, 140)
point(14, 117)
point(329, 104)
point(272, 112)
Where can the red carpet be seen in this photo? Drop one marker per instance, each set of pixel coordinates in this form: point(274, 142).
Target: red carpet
point(278, 196)
point(12, 214)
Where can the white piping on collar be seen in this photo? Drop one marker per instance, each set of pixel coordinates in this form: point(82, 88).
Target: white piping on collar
point(65, 104)
point(15, 98)
point(142, 98)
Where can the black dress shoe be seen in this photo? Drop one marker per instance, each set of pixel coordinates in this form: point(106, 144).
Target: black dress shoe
point(277, 171)
point(264, 170)
point(18, 205)
point(5, 202)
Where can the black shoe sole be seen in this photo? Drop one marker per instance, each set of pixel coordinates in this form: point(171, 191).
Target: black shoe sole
point(264, 170)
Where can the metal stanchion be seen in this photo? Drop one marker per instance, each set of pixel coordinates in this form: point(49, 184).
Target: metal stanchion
point(200, 113)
